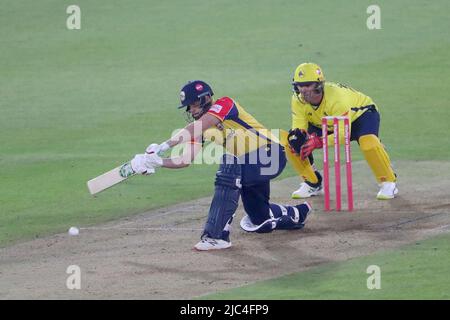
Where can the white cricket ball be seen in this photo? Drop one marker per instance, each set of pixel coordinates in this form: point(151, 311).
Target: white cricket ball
point(73, 231)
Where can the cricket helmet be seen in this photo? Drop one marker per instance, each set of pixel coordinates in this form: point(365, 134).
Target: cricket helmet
point(308, 73)
point(195, 90)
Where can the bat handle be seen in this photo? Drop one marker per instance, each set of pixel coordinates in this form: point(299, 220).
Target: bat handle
point(126, 170)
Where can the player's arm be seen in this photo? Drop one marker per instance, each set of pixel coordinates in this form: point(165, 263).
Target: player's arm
point(193, 130)
point(148, 162)
point(190, 152)
point(222, 109)
point(299, 120)
point(297, 136)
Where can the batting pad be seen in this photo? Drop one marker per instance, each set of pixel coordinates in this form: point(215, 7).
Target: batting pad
point(377, 158)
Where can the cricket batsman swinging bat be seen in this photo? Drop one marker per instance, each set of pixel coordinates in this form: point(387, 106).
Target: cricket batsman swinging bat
point(110, 178)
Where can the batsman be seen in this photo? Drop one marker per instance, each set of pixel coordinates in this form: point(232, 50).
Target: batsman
point(253, 157)
point(314, 98)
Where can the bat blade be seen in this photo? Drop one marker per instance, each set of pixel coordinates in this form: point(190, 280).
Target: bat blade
point(109, 179)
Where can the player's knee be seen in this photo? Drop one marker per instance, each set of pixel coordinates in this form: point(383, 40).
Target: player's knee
point(369, 142)
point(292, 217)
point(281, 217)
point(264, 227)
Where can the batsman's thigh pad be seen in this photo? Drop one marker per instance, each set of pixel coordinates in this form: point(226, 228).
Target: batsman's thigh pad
point(377, 158)
point(225, 200)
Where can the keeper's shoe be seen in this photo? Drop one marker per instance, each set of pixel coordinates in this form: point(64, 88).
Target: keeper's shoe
point(212, 244)
point(387, 191)
point(307, 191)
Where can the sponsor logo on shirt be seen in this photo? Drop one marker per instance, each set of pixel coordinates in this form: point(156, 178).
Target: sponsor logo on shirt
point(216, 108)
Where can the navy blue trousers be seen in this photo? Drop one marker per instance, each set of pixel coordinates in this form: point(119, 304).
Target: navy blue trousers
point(367, 123)
point(255, 192)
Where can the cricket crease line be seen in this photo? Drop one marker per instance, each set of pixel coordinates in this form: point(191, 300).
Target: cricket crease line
point(417, 219)
point(142, 229)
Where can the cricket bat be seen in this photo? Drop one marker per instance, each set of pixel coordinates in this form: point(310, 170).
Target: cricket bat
point(110, 178)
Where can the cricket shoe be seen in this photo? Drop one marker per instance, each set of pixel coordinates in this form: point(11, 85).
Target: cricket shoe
point(387, 191)
point(306, 190)
point(212, 244)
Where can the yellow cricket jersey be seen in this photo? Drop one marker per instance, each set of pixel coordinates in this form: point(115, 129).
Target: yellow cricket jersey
point(338, 100)
point(239, 132)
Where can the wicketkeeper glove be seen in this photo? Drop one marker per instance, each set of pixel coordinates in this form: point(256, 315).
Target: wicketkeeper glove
point(312, 142)
point(296, 138)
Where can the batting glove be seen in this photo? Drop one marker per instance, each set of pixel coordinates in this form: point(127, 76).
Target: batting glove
point(158, 149)
point(139, 165)
point(312, 142)
point(153, 160)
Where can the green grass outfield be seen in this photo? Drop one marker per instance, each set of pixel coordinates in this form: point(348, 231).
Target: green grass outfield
point(416, 271)
point(74, 104)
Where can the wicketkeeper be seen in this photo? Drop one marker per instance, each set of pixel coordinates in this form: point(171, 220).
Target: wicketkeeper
point(313, 99)
point(253, 157)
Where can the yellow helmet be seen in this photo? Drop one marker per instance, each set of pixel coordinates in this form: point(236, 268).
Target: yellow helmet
point(308, 72)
